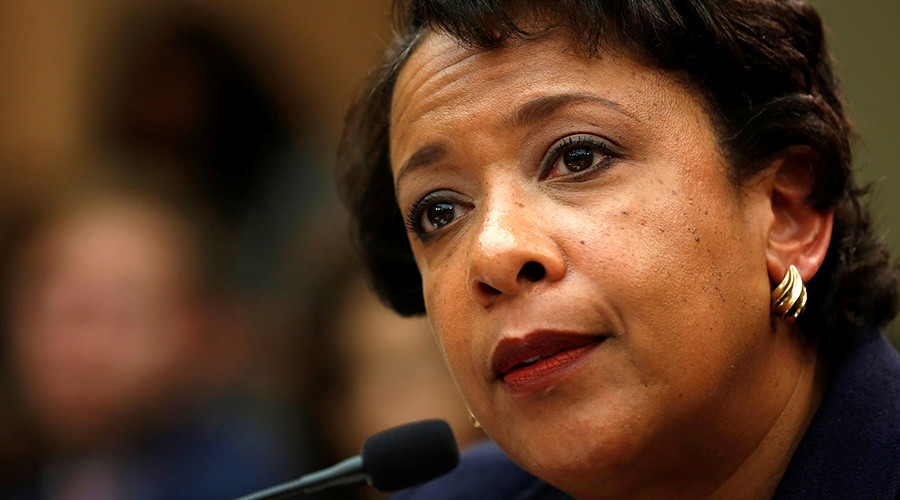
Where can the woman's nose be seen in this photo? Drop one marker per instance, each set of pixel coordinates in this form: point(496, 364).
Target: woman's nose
point(511, 254)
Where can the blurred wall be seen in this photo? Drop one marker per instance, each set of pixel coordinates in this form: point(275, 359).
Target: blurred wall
point(56, 62)
point(866, 44)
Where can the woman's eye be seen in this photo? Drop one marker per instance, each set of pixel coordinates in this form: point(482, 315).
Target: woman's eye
point(577, 154)
point(438, 215)
point(578, 159)
point(434, 212)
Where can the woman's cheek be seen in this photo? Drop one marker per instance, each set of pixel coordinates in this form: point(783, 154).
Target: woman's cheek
point(451, 331)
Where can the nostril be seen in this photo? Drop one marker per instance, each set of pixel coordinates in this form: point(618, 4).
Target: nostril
point(488, 289)
point(532, 271)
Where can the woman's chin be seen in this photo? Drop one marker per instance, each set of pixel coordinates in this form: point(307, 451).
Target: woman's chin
point(579, 466)
point(576, 452)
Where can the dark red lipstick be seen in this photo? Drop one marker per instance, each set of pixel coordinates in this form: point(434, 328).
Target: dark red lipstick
point(540, 359)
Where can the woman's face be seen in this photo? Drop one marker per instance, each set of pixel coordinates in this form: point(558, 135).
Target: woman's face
point(597, 284)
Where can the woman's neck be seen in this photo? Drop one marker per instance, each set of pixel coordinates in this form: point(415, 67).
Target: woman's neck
point(758, 476)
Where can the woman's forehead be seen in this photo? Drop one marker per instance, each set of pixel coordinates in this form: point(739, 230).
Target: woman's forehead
point(441, 64)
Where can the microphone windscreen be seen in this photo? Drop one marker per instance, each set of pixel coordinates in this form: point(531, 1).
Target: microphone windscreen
point(410, 454)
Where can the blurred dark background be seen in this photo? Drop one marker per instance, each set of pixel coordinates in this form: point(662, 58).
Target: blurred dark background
point(181, 315)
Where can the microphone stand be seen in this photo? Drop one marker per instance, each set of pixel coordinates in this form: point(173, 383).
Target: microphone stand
point(347, 472)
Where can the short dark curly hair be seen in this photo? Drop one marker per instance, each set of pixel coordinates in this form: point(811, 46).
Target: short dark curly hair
point(763, 68)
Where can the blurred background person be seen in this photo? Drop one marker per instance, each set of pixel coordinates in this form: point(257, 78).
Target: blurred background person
point(124, 353)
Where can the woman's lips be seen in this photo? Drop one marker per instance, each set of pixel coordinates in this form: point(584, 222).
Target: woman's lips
point(540, 359)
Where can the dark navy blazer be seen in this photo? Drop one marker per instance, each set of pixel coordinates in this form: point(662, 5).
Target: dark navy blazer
point(851, 449)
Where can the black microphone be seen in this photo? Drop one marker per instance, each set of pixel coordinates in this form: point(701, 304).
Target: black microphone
point(397, 458)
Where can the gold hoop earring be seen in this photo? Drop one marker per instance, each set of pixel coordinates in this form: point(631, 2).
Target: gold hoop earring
point(475, 423)
point(789, 297)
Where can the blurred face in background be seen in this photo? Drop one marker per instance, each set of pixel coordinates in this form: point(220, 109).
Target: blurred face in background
point(104, 322)
point(389, 373)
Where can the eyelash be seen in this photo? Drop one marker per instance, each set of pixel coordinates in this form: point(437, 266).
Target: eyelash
point(579, 140)
point(417, 210)
point(414, 217)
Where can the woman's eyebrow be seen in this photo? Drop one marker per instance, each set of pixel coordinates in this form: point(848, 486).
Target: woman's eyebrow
point(543, 106)
point(427, 155)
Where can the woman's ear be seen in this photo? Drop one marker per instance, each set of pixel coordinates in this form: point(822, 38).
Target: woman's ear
point(800, 234)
